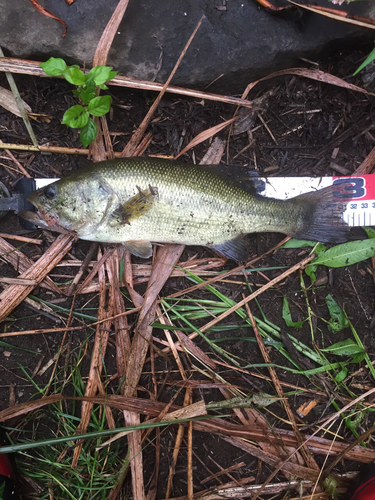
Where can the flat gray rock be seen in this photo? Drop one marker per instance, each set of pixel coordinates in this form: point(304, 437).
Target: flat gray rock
point(237, 39)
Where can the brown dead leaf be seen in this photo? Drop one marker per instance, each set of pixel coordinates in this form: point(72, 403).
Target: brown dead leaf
point(247, 117)
point(49, 14)
point(206, 134)
point(8, 102)
point(338, 15)
point(215, 153)
point(314, 74)
point(29, 406)
point(105, 42)
point(166, 258)
point(96, 366)
point(39, 117)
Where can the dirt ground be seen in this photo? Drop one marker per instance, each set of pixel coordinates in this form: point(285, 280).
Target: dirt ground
point(306, 122)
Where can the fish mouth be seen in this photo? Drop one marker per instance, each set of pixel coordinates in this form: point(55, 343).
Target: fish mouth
point(45, 215)
point(40, 221)
point(34, 217)
point(48, 217)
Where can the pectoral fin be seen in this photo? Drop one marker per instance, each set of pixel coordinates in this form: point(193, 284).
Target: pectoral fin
point(137, 206)
point(236, 249)
point(139, 248)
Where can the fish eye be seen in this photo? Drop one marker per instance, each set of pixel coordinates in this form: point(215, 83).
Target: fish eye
point(50, 192)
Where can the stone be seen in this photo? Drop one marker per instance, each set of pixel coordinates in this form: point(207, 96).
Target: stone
point(238, 39)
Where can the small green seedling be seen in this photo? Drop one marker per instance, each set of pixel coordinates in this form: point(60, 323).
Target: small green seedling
point(87, 86)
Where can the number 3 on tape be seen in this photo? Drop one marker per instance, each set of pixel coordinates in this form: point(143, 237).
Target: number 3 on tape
point(359, 193)
point(349, 188)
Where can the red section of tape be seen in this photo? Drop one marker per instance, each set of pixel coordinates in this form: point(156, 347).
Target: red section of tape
point(354, 188)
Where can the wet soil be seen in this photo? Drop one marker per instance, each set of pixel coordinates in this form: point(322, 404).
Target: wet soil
point(306, 123)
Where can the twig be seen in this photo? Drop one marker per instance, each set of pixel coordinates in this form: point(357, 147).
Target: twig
point(20, 104)
point(136, 137)
point(227, 273)
point(85, 264)
point(342, 455)
point(252, 296)
point(98, 353)
point(230, 492)
point(61, 348)
point(190, 480)
point(310, 462)
point(14, 159)
point(25, 67)
point(21, 238)
point(176, 450)
point(14, 294)
point(224, 471)
point(49, 149)
point(328, 421)
point(42, 331)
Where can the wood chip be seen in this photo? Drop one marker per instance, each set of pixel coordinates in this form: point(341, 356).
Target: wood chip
point(306, 407)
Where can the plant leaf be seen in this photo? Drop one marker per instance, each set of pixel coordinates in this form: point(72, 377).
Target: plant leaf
point(341, 375)
point(8, 102)
point(88, 132)
point(367, 61)
point(102, 74)
point(338, 320)
point(74, 76)
point(359, 357)
point(99, 106)
point(87, 92)
point(370, 232)
point(55, 66)
point(344, 348)
point(76, 116)
point(262, 399)
point(346, 254)
point(288, 317)
point(310, 271)
point(294, 243)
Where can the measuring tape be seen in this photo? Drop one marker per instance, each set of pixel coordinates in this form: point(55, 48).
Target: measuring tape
point(357, 194)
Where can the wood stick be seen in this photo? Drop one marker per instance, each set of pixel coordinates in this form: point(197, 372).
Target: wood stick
point(21, 263)
point(367, 165)
point(42, 330)
point(132, 145)
point(16, 237)
point(310, 462)
point(252, 296)
point(12, 296)
point(27, 67)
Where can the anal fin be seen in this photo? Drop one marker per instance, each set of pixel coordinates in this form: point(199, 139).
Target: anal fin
point(139, 248)
point(236, 249)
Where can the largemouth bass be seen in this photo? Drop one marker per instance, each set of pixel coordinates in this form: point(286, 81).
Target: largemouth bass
point(138, 201)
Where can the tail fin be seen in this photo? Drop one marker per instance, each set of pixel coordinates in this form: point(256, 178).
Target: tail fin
point(320, 217)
